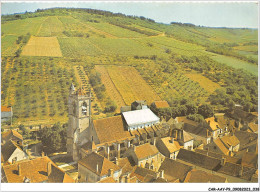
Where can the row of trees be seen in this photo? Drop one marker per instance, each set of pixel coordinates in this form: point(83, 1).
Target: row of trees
point(145, 32)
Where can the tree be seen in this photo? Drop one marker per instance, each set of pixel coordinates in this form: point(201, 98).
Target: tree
point(206, 110)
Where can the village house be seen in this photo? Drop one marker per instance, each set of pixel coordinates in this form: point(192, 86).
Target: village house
point(248, 141)
point(39, 170)
point(174, 171)
point(6, 113)
point(146, 156)
point(168, 147)
point(12, 135)
point(183, 137)
point(94, 167)
point(199, 131)
point(227, 145)
point(11, 152)
point(214, 127)
point(144, 175)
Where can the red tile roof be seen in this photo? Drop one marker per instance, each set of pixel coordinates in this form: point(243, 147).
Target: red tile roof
point(35, 170)
point(146, 150)
point(198, 176)
point(161, 104)
point(92, 160)
point(5, 109)
point(12, 133)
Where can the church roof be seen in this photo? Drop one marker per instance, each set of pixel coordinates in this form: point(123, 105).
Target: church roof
point(110, 129)
point(138, 117)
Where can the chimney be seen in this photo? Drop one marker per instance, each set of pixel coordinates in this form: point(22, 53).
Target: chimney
point(172, 140)
point(42, 154)
point(208, 151)
point(97, 168)
point(223, 161)
point(162, 173)
point(110, 172)
point(19, 170)
point(209, 122)
point(49, 168)
point(134, 147)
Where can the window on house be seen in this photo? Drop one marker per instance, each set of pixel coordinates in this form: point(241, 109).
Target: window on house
point(84, 108)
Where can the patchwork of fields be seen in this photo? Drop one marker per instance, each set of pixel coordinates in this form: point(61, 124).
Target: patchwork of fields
point(155, 65)
point(42, 46)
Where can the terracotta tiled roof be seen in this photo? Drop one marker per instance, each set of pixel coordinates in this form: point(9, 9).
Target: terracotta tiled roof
point(12, 133)
point(58, 176)
point(125, 165)
point(187, 137)
point(245, 137)
point(92, 160)
point(171, 146)
point(174, 170)
point(141, 173)
point(160, 180)
point(8, 149)
point(198, 159)
point(230, 140)
point(145, 150)
point(187, 121)
point(198, 176)
point(161, 104)
point(110, 129)
point(250, 160)
point(35, 170)
point(107, 180)
point(212, 123)
point(5, 109)
point(221, 146)
point(230, 159)
point(253, 127)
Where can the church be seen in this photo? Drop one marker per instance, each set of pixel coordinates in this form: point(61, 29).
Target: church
point(112, 136)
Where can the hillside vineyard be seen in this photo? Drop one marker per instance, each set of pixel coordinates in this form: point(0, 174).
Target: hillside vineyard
point(94, 96)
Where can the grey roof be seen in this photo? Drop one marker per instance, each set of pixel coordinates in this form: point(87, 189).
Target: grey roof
point(139, 117)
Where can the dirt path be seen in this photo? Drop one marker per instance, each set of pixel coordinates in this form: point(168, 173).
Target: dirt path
point(41, 26)
point(110, 87)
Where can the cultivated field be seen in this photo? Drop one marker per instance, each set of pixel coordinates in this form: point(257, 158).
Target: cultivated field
point(8, 45)
point(130, 85)
point(236, 63)
point(204, 82)
point(36, 88)
point(42, 46)
point(51, 26)
point(111, 89)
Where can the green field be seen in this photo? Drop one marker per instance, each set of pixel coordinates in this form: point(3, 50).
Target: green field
point(76, 47)
point(236, 63)
point(52, 26)
point(22, 27)
point(8, 45)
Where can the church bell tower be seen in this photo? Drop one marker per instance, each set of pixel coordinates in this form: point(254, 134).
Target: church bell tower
point(79, 105)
